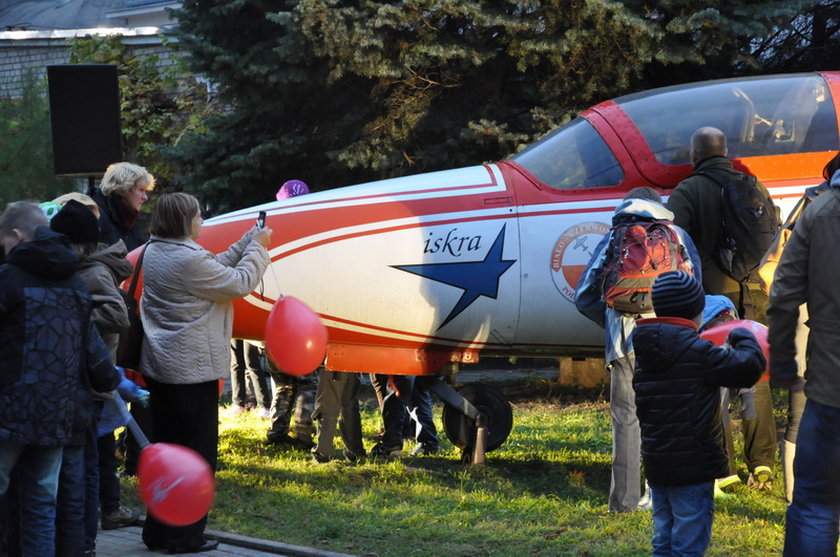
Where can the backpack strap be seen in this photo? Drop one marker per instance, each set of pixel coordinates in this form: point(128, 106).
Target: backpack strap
point(719, 182)
point(743, 290)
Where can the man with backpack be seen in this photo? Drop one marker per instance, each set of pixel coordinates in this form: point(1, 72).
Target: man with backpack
point(732, 219)
point(613, 291)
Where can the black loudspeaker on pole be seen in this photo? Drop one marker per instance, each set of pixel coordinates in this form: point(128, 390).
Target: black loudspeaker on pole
point(85, 118)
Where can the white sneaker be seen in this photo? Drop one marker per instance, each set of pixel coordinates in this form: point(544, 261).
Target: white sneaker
point(264, 413)
point(646, 502)
point(235, 410)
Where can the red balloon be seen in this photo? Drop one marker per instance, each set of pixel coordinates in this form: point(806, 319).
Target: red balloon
point(719, 333)
point(295, 337)
point(176, 483)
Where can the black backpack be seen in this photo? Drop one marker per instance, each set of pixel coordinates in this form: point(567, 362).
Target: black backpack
point(750, 223)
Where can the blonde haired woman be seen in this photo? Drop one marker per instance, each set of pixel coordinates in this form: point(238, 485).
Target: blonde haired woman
point(187, 318)
point(120, 195)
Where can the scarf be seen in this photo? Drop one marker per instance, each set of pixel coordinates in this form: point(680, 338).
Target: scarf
point(125, 215)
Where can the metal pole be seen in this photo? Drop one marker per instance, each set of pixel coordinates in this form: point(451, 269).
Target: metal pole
point(132, 426)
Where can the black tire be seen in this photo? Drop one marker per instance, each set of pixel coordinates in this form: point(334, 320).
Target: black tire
point(460, 429)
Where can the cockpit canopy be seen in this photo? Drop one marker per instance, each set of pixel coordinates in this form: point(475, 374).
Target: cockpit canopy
point(761, 116)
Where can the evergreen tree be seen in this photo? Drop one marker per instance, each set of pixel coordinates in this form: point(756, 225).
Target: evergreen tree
point(810, 43)
point(340, 91)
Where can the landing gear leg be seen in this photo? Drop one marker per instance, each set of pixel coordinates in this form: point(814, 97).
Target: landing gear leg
point(477, 419)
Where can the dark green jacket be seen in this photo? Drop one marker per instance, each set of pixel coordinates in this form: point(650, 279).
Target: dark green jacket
point(808, 272)
point(695, 203)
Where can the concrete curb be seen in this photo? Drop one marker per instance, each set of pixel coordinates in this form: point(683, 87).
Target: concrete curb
point(271, 546)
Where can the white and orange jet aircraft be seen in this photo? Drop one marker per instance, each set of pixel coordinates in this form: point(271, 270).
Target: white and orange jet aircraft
point(412, 273)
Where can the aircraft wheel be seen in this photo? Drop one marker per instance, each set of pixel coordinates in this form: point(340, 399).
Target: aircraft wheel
point(460, 429)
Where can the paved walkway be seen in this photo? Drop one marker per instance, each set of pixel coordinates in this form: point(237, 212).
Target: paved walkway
point(127, 542)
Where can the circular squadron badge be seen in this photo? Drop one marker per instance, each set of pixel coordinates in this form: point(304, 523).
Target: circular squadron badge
point(571, 254)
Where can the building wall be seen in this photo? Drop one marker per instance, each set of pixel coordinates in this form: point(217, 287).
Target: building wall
point(19, 57)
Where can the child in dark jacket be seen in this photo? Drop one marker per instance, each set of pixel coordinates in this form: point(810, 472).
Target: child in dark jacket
point(677, 382)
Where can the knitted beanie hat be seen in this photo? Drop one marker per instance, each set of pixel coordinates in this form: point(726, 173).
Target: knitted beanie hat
point(678, 294)
point(77, 222)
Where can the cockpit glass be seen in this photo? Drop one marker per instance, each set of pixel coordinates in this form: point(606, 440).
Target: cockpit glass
point(572, 156)
point(760, 116)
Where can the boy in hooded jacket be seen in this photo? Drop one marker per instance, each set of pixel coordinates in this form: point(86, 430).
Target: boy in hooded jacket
point(51, 351)
point(677, 381)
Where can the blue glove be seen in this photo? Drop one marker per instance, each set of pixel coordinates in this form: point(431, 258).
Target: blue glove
point(142, 397)
point(784, 376)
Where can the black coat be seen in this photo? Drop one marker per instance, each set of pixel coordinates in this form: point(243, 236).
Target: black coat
point(111, 228)
point(677, 381)
point(50, 352)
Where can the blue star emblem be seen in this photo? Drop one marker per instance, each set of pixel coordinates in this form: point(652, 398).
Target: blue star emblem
point(475, 278)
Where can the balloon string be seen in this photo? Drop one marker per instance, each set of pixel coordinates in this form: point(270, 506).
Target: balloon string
point(276, 281)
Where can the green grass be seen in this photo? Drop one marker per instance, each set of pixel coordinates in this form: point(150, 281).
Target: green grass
point(544, 492)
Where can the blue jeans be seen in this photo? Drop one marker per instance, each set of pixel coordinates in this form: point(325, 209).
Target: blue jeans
point(682, 518)
point(91, 488)
point(420, 412)
point(814, 515)
point(70, 511)
point(38, 477)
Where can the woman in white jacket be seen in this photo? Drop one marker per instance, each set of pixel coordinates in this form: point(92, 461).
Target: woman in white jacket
point(187, 316)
